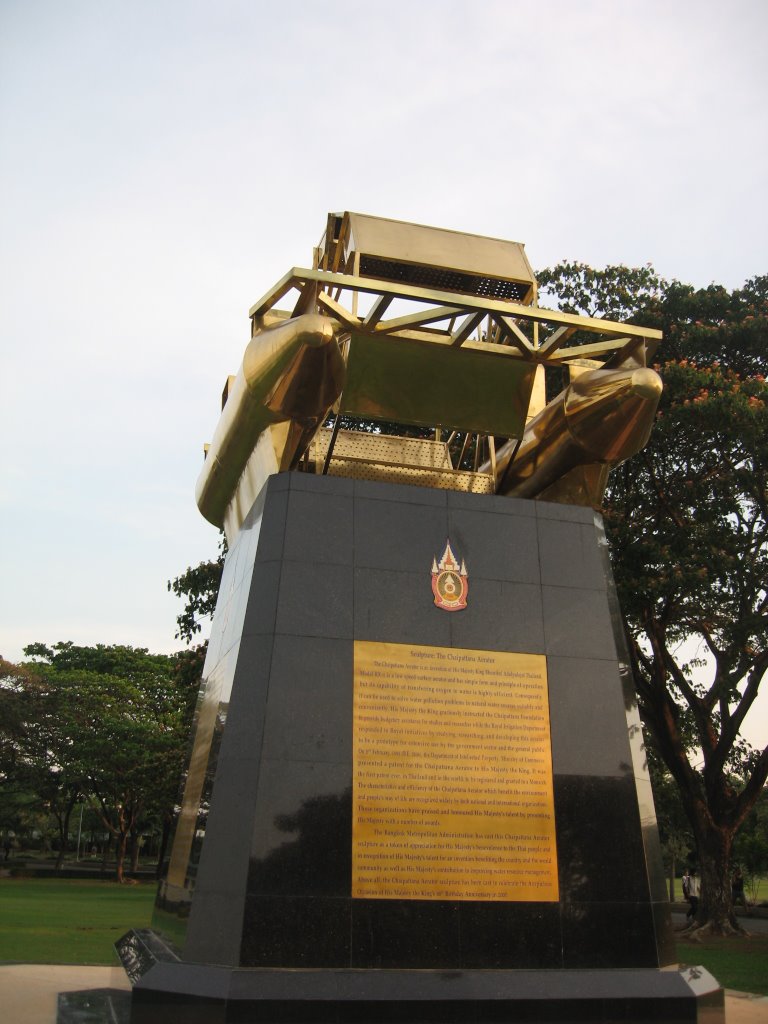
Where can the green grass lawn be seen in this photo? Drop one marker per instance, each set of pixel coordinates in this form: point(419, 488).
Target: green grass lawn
point(739, 964)
point(762, 891)
point(68, 921)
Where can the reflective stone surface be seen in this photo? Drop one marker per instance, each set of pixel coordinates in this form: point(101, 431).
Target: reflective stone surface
point(324, 561)
point(244, 619)
point(209, 995)
point(94, 1006)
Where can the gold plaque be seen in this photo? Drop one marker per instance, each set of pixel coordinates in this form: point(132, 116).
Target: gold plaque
point(452, 791)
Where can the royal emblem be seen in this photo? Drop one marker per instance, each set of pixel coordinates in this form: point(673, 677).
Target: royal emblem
point(449, 582)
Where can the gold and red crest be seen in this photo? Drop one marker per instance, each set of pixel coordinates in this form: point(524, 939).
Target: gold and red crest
point(450, 584)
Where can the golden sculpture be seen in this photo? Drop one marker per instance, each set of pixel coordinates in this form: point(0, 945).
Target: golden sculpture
point(422, 327)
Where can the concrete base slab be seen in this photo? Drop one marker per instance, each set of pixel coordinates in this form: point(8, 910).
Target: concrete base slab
point(29, 992)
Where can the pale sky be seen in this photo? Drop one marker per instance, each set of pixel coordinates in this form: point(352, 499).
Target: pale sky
point(164, 162)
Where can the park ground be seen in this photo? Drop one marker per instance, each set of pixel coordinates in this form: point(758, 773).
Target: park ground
point(74, 921)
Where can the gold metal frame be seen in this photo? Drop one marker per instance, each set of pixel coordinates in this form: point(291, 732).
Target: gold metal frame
point(452, 319)
point(396, 348)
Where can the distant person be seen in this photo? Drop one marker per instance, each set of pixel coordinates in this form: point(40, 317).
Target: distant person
point(8, 846)
point(686, 884)
point(737, 890)
point(693, 896)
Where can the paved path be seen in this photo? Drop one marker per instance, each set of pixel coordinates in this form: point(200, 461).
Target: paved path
point(28, 993)
point(754, 924)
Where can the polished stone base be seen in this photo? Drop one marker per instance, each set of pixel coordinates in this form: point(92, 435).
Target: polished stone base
point(170, 990)
point(257, 896)
point(322, 563)
point(94, 1006)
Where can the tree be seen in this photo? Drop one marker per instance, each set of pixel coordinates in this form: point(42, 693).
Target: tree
point(688, 529)
point(38, 783)
point(187, 673)
point(199, 586)
point(112, 722)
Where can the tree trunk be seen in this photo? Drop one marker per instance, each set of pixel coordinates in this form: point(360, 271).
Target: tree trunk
point(135, 851)
point(715, 914)
point(715, 812)
point(64, 828)
point(127, 817)
point(163, 845)
point(122, 842)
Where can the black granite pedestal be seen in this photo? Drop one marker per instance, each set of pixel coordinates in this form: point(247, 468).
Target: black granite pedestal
point(255, 919)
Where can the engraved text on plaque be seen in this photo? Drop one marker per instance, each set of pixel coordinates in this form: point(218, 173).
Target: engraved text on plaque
point(452, 793)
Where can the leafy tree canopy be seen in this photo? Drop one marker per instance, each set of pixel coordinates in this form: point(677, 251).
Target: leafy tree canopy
point(688, 526)
point(107, 722)
point(199, 587)
point(127, 662)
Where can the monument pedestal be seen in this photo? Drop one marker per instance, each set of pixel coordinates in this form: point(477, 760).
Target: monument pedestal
point(417, 814)
point(198, 994)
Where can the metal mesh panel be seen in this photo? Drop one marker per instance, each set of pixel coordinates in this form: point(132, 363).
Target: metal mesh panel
point(442, 278)
point(388, 459)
